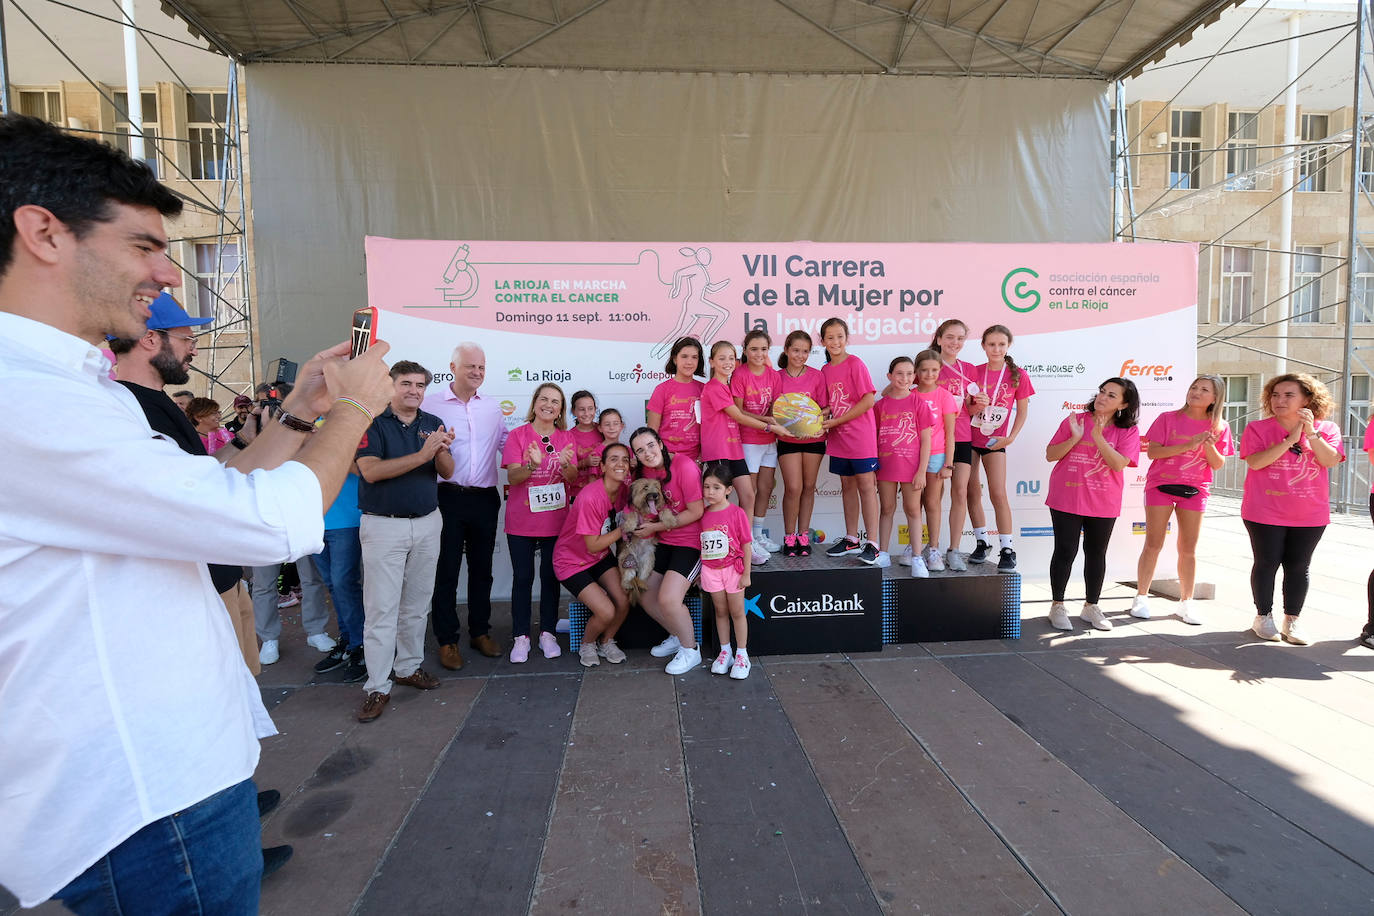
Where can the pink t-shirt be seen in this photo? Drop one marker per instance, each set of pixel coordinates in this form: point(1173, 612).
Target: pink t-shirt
point(1002, 394)
point(940, 403)
point(591, 514)
point(719, 431)
point(216, 439)
point(810, 383)
point(520, 518)
point(846, 383)
point(587, 441)
point(758, 393)
point(1173, 429)
point(954, 378)
point(900, 421)
point(1082, 482)
point(684, 488)
point(1369, 445)
point(725, 533)
point(678, 408)
point(1294, 491)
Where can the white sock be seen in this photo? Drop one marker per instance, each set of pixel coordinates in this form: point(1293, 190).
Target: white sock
point(1005, 539)
point(758, 527)
point(981, 534)
point(727, 650)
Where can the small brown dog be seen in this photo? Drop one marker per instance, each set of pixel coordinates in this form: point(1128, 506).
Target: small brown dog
point(635, 556)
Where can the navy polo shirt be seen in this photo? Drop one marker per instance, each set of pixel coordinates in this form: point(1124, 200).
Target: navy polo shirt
point(415, 492)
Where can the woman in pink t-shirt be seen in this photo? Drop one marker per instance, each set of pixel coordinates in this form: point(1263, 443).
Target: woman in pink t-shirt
point(799, 459)
point(583, 561)
point(677, 558)
point(674, 410)
point(204, 415)
point(999, 386)
point(1287, 501)
point(756, 385)
point(541, 462)
point(1185, 447)
point(587, 439)
point(852, 442)
point(904, 438)
point(1367, 634)
point(1090, 451)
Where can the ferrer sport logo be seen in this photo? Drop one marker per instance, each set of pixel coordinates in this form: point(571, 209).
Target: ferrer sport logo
point(1156, 373)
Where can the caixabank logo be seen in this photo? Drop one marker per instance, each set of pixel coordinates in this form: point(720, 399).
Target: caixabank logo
point(783, 605)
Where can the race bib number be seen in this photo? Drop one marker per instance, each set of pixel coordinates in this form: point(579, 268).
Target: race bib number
point(992, 418)
point(548, 498)
point(715, 545)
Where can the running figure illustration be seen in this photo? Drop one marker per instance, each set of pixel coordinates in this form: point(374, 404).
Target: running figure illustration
point(693, 284)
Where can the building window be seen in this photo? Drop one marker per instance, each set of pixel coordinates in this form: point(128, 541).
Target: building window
point(218, 279)
point(1185, 144)
point(1357, 418)
point(150, 123)
point(1362, 309)
point(205, 117)
point(1366, 175)
point(1237, 284)
point(44, 103)
point(1306, 300)
point(1236, 405)
point(1312, 161)
point(1242, 150)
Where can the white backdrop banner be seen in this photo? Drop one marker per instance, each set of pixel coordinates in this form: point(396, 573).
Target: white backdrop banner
point(602, 315)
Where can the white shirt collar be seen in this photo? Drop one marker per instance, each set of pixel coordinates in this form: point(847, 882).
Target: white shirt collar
point(52, 345)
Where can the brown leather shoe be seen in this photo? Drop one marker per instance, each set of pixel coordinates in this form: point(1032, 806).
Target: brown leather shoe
point(450, 657)
point(373, 706)
point(420, 680)
point(486, 645)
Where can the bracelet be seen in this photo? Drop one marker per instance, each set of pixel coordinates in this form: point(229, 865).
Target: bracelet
point(367, 413)
point(291, 421)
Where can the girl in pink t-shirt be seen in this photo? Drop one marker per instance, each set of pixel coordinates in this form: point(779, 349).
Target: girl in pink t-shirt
point(852, 441)
point(721, 424)
point(583, 561)
point(1185, 447)
point(965, 492)
point(904, 437)
point(586, 438)
point(1286, 505)
point(799, 459)
point(674, 410)
point(756, 385)
point(998, 386)
point(541, 463)
point(725, 538)
point(1090, 452)
point(609, 425)
point(944, 417)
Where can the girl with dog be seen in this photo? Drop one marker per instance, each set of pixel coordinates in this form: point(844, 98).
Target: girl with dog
point(721, 423)
point(583, 561)
point(799, 459)
point(541, 465)
point(853, 440)
point(674, 409)
point(725, 537)
point(677, 556)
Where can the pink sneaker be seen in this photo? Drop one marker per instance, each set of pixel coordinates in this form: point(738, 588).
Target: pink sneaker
point(789, 545)
point(803, 545)
point(548, 644)
point(520, 650)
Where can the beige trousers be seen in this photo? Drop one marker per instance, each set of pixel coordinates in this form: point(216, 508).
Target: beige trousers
point(399, 557)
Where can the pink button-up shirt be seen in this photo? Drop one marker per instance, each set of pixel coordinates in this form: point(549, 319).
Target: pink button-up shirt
point(479, 433)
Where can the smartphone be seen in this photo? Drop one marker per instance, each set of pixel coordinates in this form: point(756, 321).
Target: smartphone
point(364, 329)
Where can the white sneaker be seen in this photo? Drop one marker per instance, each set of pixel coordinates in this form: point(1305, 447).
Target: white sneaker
point(1092, 614)
point(758, 556)
point(1188, 613)
point(1059, 616)
point(608, 650)
point(918, 569)
point(321, 641)
point(905, 558)
point(587, 654)
point(884, 560)
point(722, 663)
point(684, 661)
point(1140, 607)
point(269, 652)
point(934, 561)
point(666, 648)
point(767, 543)
point(1291, 632)
point(740, 670)
point(1264, 628)
point(955, 561)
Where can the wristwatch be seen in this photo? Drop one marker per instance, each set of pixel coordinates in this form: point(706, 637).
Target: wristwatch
point(291, 421)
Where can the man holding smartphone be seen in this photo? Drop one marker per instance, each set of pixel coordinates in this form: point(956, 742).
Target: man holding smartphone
point(138, 796)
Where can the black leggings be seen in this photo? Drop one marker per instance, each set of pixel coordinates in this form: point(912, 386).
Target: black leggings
point(1096, 534)
point(1275, 546)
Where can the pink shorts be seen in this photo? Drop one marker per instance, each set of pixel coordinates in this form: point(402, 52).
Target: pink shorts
point(720, 580)
point(1156, 497)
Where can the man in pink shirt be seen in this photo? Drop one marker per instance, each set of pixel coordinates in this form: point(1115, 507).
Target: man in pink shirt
point(469, 502)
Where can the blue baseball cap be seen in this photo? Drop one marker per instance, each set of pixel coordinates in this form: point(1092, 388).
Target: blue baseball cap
point(167, 313)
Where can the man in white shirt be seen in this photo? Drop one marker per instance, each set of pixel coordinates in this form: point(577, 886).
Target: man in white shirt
point(131, 723)
point(469, 503)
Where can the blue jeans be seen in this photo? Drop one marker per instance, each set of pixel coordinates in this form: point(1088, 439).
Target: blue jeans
point(204, 859)
point(522, 550)
point(340, 565)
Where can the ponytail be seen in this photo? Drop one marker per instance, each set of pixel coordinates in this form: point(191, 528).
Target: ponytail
point(1015, 370)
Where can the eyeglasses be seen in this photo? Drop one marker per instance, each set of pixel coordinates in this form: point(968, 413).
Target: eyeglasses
point(177, 336)
point(548, 447)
